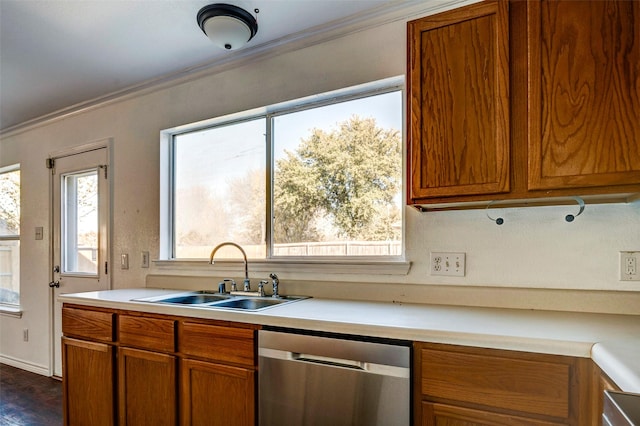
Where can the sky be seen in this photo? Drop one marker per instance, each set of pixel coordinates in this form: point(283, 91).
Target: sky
point(226, 152)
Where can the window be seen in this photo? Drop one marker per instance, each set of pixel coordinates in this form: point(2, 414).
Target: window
point(10, 235)
point(313, 178)
point(80, 226)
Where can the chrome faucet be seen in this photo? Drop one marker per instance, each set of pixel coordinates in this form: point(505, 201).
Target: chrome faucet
point(247, 283)
point(275, 282)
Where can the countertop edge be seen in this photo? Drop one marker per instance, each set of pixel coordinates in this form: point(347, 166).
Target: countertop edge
point(612, 356)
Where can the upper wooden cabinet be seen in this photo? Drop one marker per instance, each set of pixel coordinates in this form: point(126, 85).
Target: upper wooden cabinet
point(458, 102)
point(584, 100)
point(520, 100)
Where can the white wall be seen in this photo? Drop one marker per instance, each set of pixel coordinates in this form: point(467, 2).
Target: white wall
point(511, 265)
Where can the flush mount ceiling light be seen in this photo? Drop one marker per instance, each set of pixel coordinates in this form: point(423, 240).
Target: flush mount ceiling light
point(228, 26)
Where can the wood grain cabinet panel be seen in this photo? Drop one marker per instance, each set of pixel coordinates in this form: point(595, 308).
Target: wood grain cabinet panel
point(518, 100)
point(218, 343)
point(515, 384)
point(450, 415)
point(89, 324)
point(458, 102)
point(147, 388)
point(458, 385)
point(88, 386)
point(148, 333)
point(153, 380)
point(584, 100)
point(217, 395)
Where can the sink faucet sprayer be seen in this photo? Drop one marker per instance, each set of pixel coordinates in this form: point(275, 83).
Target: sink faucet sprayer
point(247, 283)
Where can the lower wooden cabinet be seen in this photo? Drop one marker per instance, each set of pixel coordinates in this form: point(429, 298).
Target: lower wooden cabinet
point(146, 388)
point(88, 387)
point(451, 415)
point(216, 394)
point(464, 386)
point(137, 369)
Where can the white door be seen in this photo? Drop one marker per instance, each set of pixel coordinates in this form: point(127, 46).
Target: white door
point(80, 196)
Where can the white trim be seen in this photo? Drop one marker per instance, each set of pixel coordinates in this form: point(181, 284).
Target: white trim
point(81, 149)
point(387, 13)
point(357, 92)
point(11, 310)
point(24, 365)
point(326, 267)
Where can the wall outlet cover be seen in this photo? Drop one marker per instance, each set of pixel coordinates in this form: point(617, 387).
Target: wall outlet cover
point(630, 266)
point(450, 264)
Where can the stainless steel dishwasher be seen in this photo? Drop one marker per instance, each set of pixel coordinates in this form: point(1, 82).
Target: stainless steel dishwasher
point(320, 380)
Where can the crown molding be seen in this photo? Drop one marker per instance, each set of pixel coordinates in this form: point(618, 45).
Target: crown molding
point(384, 14)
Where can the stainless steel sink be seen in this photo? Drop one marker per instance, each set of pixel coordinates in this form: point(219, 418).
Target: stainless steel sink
point(204, 299)
point(195, 299)
point(253, 303)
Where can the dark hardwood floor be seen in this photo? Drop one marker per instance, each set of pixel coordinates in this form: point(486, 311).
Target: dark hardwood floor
point(29, 399)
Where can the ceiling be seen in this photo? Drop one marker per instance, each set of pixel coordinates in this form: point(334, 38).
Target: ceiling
point(57, 55)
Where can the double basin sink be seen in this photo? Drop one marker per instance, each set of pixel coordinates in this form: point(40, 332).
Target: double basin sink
point(205, 299)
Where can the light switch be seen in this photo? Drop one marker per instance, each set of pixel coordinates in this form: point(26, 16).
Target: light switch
point(39, 232)
point(124, 261)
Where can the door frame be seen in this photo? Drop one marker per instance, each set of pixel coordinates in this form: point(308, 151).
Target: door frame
point(106, 143)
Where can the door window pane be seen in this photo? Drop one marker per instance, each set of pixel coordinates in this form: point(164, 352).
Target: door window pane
point(220, 190)
point(338, 179)
point(80, 223)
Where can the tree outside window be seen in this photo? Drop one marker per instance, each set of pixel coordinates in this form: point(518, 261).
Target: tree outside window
point(321, 180)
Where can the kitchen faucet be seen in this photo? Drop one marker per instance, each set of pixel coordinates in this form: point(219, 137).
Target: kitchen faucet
point(247, 283)
point(275, 281)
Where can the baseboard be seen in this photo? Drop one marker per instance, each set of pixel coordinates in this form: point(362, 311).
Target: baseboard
point(34, 368)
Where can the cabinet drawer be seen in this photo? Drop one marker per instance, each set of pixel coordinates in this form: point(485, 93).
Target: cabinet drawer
point(94, 325)
point(498, 379)
point(217, 343)
point(147, 333)
point(441, 414)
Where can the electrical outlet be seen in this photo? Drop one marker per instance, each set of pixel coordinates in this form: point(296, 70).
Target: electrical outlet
point(629, 266)
point(452, 264)
point(145, 260)
point(25, 334)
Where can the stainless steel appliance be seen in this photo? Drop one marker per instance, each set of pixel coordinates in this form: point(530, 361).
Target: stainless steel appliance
point(323, 380)
point(621, 409)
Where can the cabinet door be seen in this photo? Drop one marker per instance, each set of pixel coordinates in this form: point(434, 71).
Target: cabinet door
point(217, 395)
point(88, 383)
point(147, 388)
point(458, 102)
point(449, 415)
point(584, 100)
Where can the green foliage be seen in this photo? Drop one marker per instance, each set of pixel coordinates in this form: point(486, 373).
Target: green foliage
point(349, 176)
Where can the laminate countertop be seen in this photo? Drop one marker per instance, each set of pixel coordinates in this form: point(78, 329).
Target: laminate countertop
point(612, 341)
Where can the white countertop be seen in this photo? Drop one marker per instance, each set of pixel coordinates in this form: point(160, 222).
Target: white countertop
point(612, 341)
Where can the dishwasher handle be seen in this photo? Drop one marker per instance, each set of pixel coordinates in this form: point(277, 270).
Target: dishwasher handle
point(324, 360)
point(366, 367)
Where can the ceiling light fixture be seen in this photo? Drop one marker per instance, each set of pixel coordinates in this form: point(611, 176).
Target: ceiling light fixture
point(228, 26)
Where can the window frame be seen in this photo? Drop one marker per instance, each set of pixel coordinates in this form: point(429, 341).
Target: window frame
point(13, 308)
point(338, 264)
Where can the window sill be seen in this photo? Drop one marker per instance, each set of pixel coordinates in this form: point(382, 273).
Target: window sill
point(323, 266)
point(11, 311)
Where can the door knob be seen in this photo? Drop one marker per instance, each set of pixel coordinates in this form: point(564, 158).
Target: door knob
point(55, 284)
